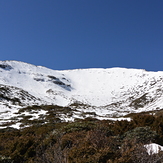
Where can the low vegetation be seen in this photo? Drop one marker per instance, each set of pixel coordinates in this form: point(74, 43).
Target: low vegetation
point(82, 141)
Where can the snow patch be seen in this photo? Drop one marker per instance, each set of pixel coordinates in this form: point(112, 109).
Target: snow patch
point(153, 148)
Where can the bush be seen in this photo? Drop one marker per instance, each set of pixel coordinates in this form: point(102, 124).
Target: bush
point(78, 126)
point(141, 135)
point(143, 120)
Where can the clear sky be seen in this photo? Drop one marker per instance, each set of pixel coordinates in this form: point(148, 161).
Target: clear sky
point(72, 34)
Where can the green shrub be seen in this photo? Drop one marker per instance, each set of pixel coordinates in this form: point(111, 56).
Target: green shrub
point(78, 126)
point(141, 135)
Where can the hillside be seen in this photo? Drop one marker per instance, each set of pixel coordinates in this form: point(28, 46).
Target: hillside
point(109, 115)
point(99, 93)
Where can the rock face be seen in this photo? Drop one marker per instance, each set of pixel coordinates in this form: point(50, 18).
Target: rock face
point(102, 93)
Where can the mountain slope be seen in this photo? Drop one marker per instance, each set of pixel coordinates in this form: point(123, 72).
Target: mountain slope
point(102, 93)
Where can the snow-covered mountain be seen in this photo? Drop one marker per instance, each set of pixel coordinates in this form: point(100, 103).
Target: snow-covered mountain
point(102, 93)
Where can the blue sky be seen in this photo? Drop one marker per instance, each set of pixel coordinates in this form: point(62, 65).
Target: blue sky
point(72, 34)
